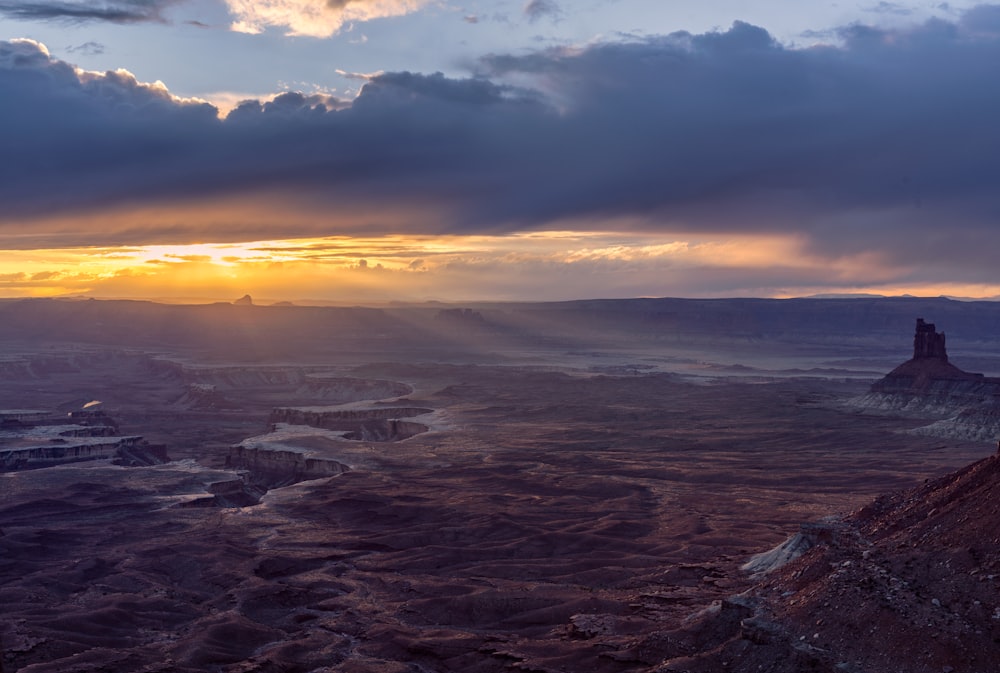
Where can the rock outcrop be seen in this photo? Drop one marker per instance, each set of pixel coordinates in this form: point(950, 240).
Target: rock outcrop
point(36, 439)
point(962, 404)
point(272, 468)
point(58, 453)
point(916, 572)
point(927, 369)
point(309, 443)
point(810, 535)
point(380, 424)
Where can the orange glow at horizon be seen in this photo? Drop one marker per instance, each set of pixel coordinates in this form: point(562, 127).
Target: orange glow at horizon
point(451, 268)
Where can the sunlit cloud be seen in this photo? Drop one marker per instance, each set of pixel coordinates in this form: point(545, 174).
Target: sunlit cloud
point(313, 18)
point(541, 265)
point(717, 164)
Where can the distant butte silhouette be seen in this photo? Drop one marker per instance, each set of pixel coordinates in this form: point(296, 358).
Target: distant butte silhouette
point(245, 300)
point(929, 363)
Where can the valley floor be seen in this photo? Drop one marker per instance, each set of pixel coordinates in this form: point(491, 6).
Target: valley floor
point(553, 521)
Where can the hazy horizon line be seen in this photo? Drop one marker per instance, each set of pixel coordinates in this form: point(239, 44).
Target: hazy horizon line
point(308, 302)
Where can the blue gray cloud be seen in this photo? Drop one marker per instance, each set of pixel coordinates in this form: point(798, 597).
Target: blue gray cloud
point(114, 11)
point(90, 48)
point(537, 9)
point(886, 141)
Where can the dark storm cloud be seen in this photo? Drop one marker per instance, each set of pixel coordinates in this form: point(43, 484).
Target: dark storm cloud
point(115, 11)
point(733, 130)
point(887, 141)
point(70, 139)
point(537, 9)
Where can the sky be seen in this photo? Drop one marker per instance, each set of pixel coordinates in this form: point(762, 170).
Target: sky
point(370, 150)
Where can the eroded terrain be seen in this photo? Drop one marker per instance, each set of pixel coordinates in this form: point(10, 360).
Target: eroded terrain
point(550, 510)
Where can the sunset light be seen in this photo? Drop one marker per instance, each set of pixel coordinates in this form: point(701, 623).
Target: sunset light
point(777, 154)
point(479, 336)
point(342, 269)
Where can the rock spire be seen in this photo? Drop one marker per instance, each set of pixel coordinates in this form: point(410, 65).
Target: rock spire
point(928, 343)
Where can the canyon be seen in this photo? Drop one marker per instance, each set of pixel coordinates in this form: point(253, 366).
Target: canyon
point(32, 439)
point(559, 487)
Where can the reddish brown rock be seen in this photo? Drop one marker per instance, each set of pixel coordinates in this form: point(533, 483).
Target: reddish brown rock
point(928, 365)
point(909, 584)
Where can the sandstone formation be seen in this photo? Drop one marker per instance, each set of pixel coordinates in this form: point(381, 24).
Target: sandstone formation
point(271, 468)
point(908, 584)
point(582, 500)
point(962, 404)
point(927, 369)
point(35, 439)
point(381, 424)
point(303, 444)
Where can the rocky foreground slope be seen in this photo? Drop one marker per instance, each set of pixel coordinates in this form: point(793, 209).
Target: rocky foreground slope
point(910, 583)
point(907, 584)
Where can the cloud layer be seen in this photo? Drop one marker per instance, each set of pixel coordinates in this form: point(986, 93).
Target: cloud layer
point(887, 142)
point(537, 9)
point(115, 11)
point(315, 18)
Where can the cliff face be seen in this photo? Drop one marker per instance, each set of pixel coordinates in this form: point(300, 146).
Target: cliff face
point(281, 457)
point(335, 419)
point(29, 457)
point(928, 385)
point(39, 439)
point(271, 468)
point(370, 425)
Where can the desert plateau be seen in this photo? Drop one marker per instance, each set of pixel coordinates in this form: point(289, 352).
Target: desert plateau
point(499, 336)
point(649, 485)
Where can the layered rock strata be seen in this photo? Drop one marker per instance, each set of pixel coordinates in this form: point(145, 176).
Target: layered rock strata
point(967, 405)
point(380, 424)
point(311, 443)
point(36, 439)
point(271, 467)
